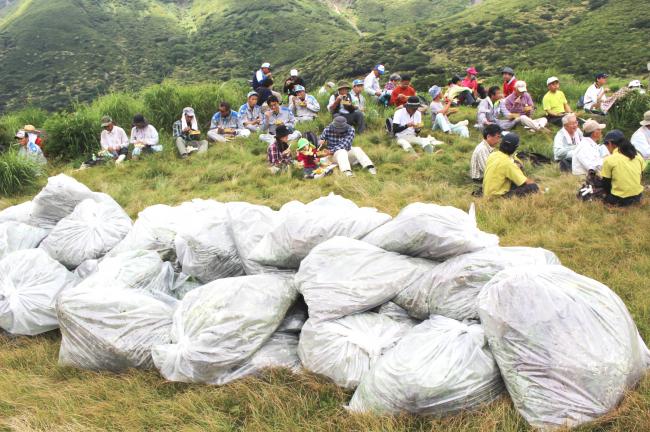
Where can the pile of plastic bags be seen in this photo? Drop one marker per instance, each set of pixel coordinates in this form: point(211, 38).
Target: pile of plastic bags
point(423, 313)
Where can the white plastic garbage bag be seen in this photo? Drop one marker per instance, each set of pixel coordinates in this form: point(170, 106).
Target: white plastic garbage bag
point(566, 345)
point(303, 227)
point(431, 231)
point(344, 349)
point(15, 236)
point(221, 325)
point(86, 268)
point(205, 247)
point(89, 232)
point(183, 284)
point(249, 223)
point(440, 366)
point(343, 276)
point(18, 213)
point(454, 285)
point(107, 326)
point(57, 200)
point(29, 282)
point(295, 317)
point(396, 313)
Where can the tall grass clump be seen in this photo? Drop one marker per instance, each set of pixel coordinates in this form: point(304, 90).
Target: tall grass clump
point(11, 123)
point(628, 111)
point(73, 135)
point(121, 107)
point(17, 173)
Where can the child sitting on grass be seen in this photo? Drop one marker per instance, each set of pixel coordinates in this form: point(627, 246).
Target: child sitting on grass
point(278, 152)
point(307, 157)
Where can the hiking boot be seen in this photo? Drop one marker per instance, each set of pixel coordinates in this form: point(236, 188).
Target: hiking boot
point(372, 170)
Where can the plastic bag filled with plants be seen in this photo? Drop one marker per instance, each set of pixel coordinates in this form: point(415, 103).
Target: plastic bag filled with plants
point(440, 366)
point(15, 236)
point(18, 213)
point(566, 345)
point(30, 280)
point(57, 200)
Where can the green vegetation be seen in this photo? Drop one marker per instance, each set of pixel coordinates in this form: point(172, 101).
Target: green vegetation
point(17, 173)
point(627, 113)
point(38, 395)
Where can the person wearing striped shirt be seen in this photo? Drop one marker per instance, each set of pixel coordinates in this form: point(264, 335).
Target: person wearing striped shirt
point(226, 124)
point(491, 139)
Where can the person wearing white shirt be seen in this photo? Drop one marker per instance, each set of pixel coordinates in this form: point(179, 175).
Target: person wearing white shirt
point(641, 138)
point(371, 83)
point(588, 155)
point(357, 95)
point(566, 141)
point(596, 94)
point(144, 137)
point(114, 140)
point(407, 123)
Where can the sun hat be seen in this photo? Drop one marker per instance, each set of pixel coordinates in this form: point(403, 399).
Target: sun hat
point(106, 120)
point(434, 91)
point(343, 84)
point(29, 128)
point(551, 80)
point(282, 131)
point(357, 82)
point(293, 72)
point(646, 119)
point(380, 68)
point(592, 126)
point(412, 102)
point(302, 143)
point(521, 86)
point(20, 134)
point(614, 136)
point(139, 119)
point(266, 65)
point(188, 111)
point(508, 70)
point(298, 88)
point(472, 71)
point(339, 124)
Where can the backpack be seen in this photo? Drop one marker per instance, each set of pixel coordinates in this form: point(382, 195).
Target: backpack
point(312, 138)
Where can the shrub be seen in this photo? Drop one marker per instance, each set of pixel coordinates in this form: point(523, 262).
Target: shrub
point(17, 173)
point(10, 124)
point(120, 106)
point(628, 111)
point(75, 135)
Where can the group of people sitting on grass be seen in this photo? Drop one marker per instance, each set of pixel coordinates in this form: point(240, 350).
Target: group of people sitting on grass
point(610, 167)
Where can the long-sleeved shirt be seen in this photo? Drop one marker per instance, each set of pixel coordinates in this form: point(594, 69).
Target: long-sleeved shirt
point(588, 155)
point(371, 84)
point(284, 116)
point(177, 130)
point(454, 90)
point(338, 140)
point(341, 108)
point(641, 141)
point(147, 135)
point(591, 96)
point(516, 104)
point(258, 79)
point(115, 138)
point(232, 121)
point(358, 100)
point(564, 144)
point(275, 154)
point(401, 91)
point(479, 160)
point(310, 109)
point(248, 114)
point(509, 87)
point(488, 112)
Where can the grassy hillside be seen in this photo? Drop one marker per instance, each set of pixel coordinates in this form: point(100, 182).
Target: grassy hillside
point(589, 238)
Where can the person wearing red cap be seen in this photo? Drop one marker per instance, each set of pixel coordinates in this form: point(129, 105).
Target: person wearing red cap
point(476, 85)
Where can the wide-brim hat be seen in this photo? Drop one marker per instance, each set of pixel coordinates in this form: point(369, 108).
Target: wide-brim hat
point(646, 119)
point(29, 128)
point(343, 84)
point(302, 143)
point(339, 124)
point(282, 131)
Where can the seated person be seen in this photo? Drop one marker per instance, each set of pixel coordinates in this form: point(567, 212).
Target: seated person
point(503, 174)
point(293, 80)
point(304, 107)
point(358, 100)
point(474, 84)
point(641, 138)
point(33, 135)
point(114, 140)
point(307, 157)
point(596, 94)
point(261, 76)
point(509, 81)
point(566, 140)
point(278, 116)
point(338, 137)
point(226, 125)
point(491, 139)
point(327, 88)
point(144, 137)
point(407, 124)
point(391, 85)
point(371, 83)
point(279, 152)
point(588, 155)
point(633, 86)
point(555, 103)
point(341, 104)
point(264, 92)
point(520, 105)
point(490, 111)
point(188, 135)
point(622, 171)
point(440, 115)
point(251, 113)
point(402, 92)
point(29, 149)
point(458, 94)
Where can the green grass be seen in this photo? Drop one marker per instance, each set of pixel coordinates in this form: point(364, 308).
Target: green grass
point(17, 173)
point(609, 245)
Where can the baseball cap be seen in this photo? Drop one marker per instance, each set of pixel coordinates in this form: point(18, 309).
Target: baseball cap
point(614, 136)
point(251, 93)
point(293, 72)
point(266, 65)
point(188, 111)
point(552, 79)
point(106, 120)
point(601, 75)
point(357, 82)
point(508, 70)
point(592, 126)
point(20, 134)
point(380, 68)
point(472, 71)
point(521, 86)
point(298, 88)
point(511, 139)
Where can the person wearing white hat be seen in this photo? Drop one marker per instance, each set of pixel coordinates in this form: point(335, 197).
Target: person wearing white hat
point(641, 138)
point(251, 112)
point(304, 106)
point(520, 105)
point(188, 135)
point(440, 115)
point(263, 74)
point(290, 83)
point(589, 154)
point(555, 103)
point(29, 149)
point(371, 83)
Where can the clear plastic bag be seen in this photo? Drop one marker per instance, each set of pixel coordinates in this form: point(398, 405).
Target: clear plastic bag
point(15, 236)
point(221, 325)
point(566, 345)
point(18, 213)
point(344, 349)
point(431, 231)
point(57, 200)
point(29, 282)
point(440, 366)
point(304, 227)
point(89, 232)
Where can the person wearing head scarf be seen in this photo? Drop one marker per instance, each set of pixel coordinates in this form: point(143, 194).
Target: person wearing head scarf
point(188, 135)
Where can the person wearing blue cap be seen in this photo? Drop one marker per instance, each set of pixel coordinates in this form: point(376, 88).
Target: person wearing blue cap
point(503, 174)
point(357, 95)
point(305, 107)
point(371, 83)
point(440, 115)
point(251, 113)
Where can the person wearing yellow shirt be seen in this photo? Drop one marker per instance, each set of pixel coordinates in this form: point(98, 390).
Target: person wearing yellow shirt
point(555, 103)
point(622, 171)
point(503, 174)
